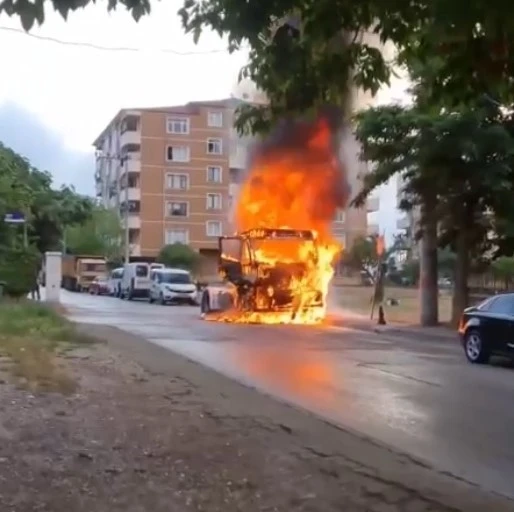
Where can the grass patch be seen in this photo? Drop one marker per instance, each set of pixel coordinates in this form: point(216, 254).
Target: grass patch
point(31, 336)
point(358, 300)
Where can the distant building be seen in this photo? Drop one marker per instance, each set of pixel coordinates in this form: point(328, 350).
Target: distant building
point(170, 168)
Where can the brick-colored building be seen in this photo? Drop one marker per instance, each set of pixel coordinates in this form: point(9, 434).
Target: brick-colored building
point(170, 165)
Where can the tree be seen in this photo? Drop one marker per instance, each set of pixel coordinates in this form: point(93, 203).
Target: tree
point(362, 256)
point(503, 270)
point(180, 256)
point(101, 235)
point(446, 262)
point(457, 170)
point(309, 61)
point(27, 190)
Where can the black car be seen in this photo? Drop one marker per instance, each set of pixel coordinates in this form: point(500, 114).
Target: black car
point(488, 328)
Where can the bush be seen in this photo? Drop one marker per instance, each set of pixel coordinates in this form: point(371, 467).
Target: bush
point(18, 270)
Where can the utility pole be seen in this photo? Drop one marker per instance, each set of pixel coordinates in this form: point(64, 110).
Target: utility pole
point(122, 161)
point(126, 212)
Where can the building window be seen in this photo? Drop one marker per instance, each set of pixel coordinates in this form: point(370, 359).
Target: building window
point(214, 174)
point(177, 125)
point(178, 154)
point(174, 236)
point(213, 228)
point(177, 208)
point(340, 216)
point(215, 119)
point(177, 181)
point(214, 146)
point(213, 201)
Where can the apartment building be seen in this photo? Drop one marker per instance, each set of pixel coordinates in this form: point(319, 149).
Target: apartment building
point(167, 172)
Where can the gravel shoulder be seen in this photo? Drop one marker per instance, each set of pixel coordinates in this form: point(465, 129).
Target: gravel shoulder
point(148, 430)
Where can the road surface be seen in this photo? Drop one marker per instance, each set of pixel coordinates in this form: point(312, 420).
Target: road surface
point(419, 397)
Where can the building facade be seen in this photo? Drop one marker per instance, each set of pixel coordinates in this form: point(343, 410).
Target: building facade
point(166, 170)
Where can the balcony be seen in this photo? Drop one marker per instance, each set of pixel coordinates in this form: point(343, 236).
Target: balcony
point(132, 165)
point(134, 221)
point(403, 223)
point(130, 137)
point(373, 229)
point(373, 204)
point(133, 193)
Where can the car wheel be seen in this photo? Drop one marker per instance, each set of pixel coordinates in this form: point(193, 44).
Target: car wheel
point(475, 348)
point(150, 299)
point(162, 302)
point(205, 306)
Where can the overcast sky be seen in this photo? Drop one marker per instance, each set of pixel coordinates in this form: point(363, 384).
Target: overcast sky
point(56, 98)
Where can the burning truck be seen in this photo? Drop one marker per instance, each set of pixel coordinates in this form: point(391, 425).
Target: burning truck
point(278, 267)
point(268, 271)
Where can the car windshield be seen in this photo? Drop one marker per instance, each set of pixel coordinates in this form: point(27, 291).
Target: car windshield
point(287, 250)
point(175, 278)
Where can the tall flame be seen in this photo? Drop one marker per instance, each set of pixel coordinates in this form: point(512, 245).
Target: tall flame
point(295, 181)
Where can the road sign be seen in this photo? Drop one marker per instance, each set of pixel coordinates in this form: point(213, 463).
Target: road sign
point(14, 218)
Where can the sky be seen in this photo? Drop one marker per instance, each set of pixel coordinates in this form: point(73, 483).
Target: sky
point(58, 97)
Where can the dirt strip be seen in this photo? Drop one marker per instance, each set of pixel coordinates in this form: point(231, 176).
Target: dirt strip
point(149, 431)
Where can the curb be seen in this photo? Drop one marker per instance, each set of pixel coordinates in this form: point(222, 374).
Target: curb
point(401, 332)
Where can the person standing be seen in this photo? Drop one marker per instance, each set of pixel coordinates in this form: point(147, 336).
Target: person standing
point(36, 293)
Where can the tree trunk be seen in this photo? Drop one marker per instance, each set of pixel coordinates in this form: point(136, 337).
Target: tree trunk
point(460, 287)
point(428, 289)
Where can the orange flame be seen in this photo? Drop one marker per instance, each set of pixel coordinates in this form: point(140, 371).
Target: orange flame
point(295, 182)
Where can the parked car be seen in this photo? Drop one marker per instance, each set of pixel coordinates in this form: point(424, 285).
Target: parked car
point(488, 328)
point(99, 286)
point(173, 285)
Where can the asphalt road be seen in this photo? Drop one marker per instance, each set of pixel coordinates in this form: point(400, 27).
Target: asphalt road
point(419, 397)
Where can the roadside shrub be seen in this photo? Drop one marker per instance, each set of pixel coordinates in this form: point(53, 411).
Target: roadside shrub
point(18, 269)
point(34, 320)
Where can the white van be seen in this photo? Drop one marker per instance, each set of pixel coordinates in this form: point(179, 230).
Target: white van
point(114, 282)
point(135, 282)
point(172, 285)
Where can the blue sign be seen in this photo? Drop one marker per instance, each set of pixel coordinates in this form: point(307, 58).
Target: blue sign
point(14, 218)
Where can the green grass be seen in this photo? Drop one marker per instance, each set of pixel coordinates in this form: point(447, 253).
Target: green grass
point(31, 337)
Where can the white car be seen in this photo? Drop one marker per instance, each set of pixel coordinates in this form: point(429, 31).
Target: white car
point(172, 285)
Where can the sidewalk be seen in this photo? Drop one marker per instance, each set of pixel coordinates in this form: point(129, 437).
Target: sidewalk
point(345, 318)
